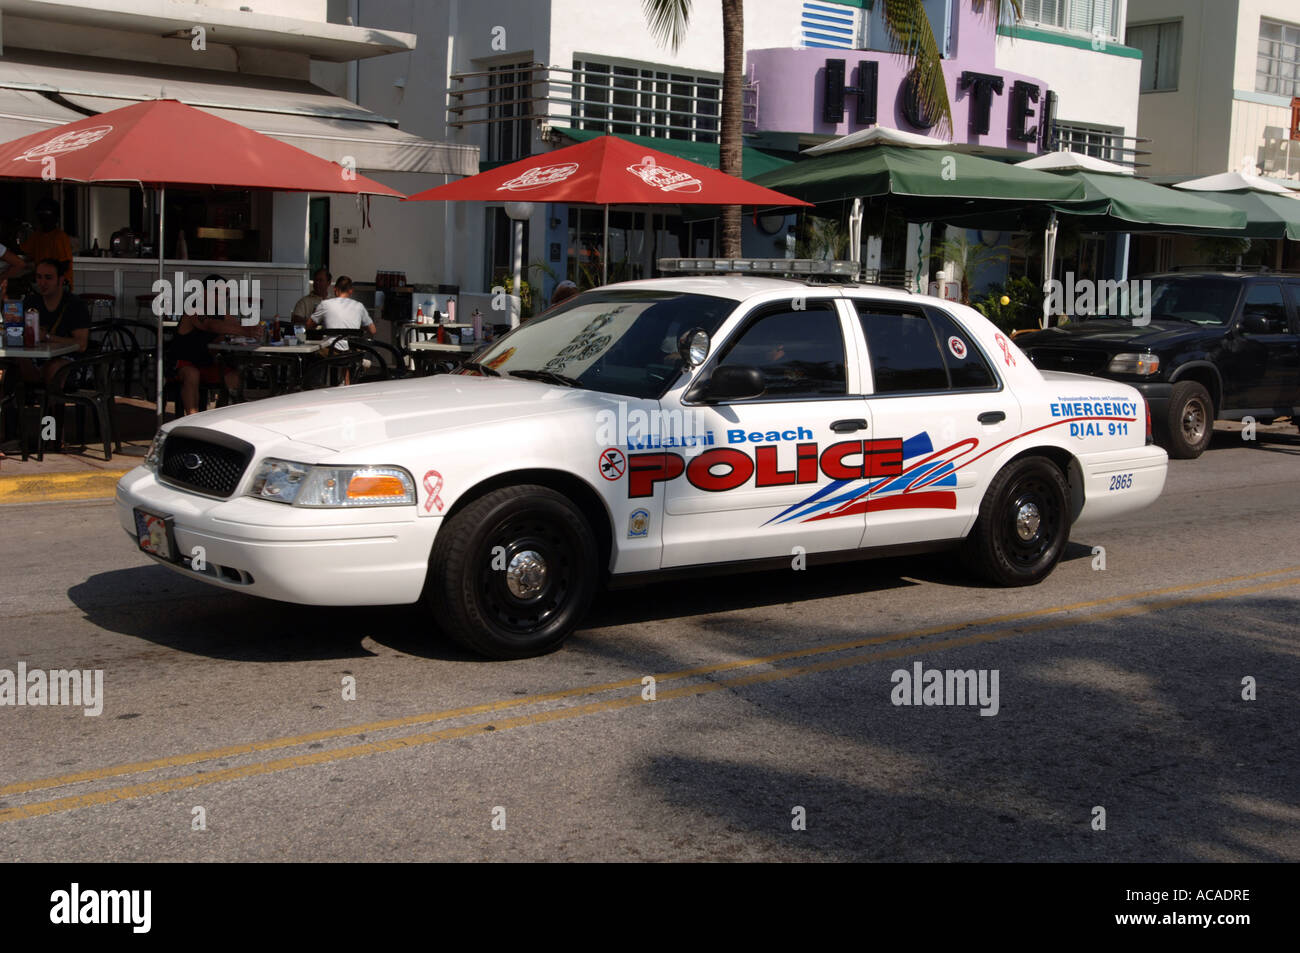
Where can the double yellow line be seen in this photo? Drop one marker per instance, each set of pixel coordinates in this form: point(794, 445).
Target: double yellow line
point(993, 627)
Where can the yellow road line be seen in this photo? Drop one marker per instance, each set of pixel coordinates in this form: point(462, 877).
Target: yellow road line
point(408, 721)
point(148, 788)
point(48, 487)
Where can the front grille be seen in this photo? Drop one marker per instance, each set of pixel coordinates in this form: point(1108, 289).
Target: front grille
point(1076, 360)
point(203, 466)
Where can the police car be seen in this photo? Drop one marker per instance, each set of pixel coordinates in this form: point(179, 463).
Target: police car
point(642, 429)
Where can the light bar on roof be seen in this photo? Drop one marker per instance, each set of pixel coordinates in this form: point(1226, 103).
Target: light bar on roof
point(759, 266)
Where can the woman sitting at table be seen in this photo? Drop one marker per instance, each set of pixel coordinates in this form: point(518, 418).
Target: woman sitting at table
point(341, 313)
point(195, 364)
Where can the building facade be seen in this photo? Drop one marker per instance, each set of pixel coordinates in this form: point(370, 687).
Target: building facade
point(62, 60)
point(513, 77)
point(1220, 86)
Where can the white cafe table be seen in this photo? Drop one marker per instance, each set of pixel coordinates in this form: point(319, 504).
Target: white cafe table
point(435, 346)
point(42, 352)
point(293, 354)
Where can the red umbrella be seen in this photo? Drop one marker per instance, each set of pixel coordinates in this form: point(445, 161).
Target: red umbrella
point(607, 171)
point(164, 142)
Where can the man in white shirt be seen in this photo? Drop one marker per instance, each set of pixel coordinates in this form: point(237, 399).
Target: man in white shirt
point(341, 313)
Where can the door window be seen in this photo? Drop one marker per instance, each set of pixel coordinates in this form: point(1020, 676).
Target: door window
point(905, 353)
point(799, 352)
point(1266, 301)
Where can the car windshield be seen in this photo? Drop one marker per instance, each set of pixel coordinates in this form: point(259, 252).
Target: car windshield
point(1204, 301)
point(620, 342)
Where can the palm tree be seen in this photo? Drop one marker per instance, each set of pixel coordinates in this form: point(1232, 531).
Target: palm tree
point(905, 22)
point(668, 21)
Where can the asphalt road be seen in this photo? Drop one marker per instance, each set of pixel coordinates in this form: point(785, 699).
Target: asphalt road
point(1119, 689)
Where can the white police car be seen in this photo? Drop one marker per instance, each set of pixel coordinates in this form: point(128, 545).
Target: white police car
point(644, 428)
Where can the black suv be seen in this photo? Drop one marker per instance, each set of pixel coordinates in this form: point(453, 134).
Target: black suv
point(1223, 345)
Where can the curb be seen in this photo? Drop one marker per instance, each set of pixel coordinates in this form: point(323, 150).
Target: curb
point(51, 487)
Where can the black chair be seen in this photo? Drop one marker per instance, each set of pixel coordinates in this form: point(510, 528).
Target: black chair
point(87, 384)
point(120, 337)
point(333, 370)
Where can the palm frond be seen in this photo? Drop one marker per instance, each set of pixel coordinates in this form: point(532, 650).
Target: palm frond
point(668, 20)
point(909, 28)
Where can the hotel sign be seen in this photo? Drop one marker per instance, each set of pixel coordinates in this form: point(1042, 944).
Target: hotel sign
point(1022, 108)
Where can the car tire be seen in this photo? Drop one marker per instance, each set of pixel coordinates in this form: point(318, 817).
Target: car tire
point(1023, 524)
point(1189, 423)
point(525, 597)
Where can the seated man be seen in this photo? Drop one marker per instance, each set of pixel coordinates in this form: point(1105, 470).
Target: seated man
point(305, 307)
point(195, 364)
point(341, 313)
point(64, 319)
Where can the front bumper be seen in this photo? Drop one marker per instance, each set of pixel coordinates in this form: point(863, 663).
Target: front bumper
point(1156, 394)
point(322, 557)
point(1118, 482)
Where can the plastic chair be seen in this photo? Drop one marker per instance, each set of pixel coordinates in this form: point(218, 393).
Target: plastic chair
point(88, 385)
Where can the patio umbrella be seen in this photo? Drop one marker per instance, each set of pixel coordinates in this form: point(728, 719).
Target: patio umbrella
point(164, 142)
point(924, 183)
point(1272, 211)
point(607, 171)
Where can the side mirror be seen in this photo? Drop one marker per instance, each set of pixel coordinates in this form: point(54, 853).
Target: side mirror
point(693, 346)
point(1255, 322)
point(734, 382)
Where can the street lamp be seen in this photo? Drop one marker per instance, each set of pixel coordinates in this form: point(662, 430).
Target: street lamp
point(518, 212)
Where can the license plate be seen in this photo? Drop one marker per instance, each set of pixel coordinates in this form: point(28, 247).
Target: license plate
point(154, 535)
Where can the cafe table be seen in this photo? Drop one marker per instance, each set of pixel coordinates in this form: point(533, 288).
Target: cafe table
point(428, 350)
point(293, 355)
point(41, 352)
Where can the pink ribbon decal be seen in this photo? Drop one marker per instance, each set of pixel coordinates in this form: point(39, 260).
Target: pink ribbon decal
point(433, 489)
point(1006, 351)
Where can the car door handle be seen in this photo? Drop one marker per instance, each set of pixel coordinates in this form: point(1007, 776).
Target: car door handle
point(848, 426)
point(992, 417)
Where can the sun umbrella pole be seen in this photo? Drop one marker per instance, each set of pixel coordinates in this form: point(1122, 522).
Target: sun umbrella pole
point(162, 251)
point(1049, 254)
point(604, 251)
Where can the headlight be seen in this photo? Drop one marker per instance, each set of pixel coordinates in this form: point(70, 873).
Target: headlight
point(153, 459)
point(1143, 365)
point(302, 485)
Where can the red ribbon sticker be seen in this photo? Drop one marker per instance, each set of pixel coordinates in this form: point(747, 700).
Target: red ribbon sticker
point(1006, 351)
point(432, 488)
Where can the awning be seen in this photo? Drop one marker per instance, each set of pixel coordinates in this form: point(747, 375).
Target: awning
point(38, 90)
point(754, 161)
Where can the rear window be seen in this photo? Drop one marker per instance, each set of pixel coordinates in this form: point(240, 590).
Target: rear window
point(914, 351)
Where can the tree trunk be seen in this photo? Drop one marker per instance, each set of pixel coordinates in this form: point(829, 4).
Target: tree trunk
point(733, 59)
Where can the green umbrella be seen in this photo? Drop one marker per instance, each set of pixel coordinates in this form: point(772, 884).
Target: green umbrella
point(923, 184)
point(1116, 201)
point(1268, 215)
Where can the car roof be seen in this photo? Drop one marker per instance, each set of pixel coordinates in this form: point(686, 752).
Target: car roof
point(1211, 273)
point(743, 287)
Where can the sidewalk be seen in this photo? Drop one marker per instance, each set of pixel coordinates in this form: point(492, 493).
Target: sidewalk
point(78, 473)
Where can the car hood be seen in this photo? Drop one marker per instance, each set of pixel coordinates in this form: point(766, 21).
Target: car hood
point(349, 418)
point(1115, 334)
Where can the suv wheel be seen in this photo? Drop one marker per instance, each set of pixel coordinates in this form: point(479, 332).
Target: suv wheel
point(513, 573)
point(1189, 425)
point(1023, 524)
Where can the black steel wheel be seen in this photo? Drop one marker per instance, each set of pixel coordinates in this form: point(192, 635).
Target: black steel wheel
point(513, 573)
point(1023, 524)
